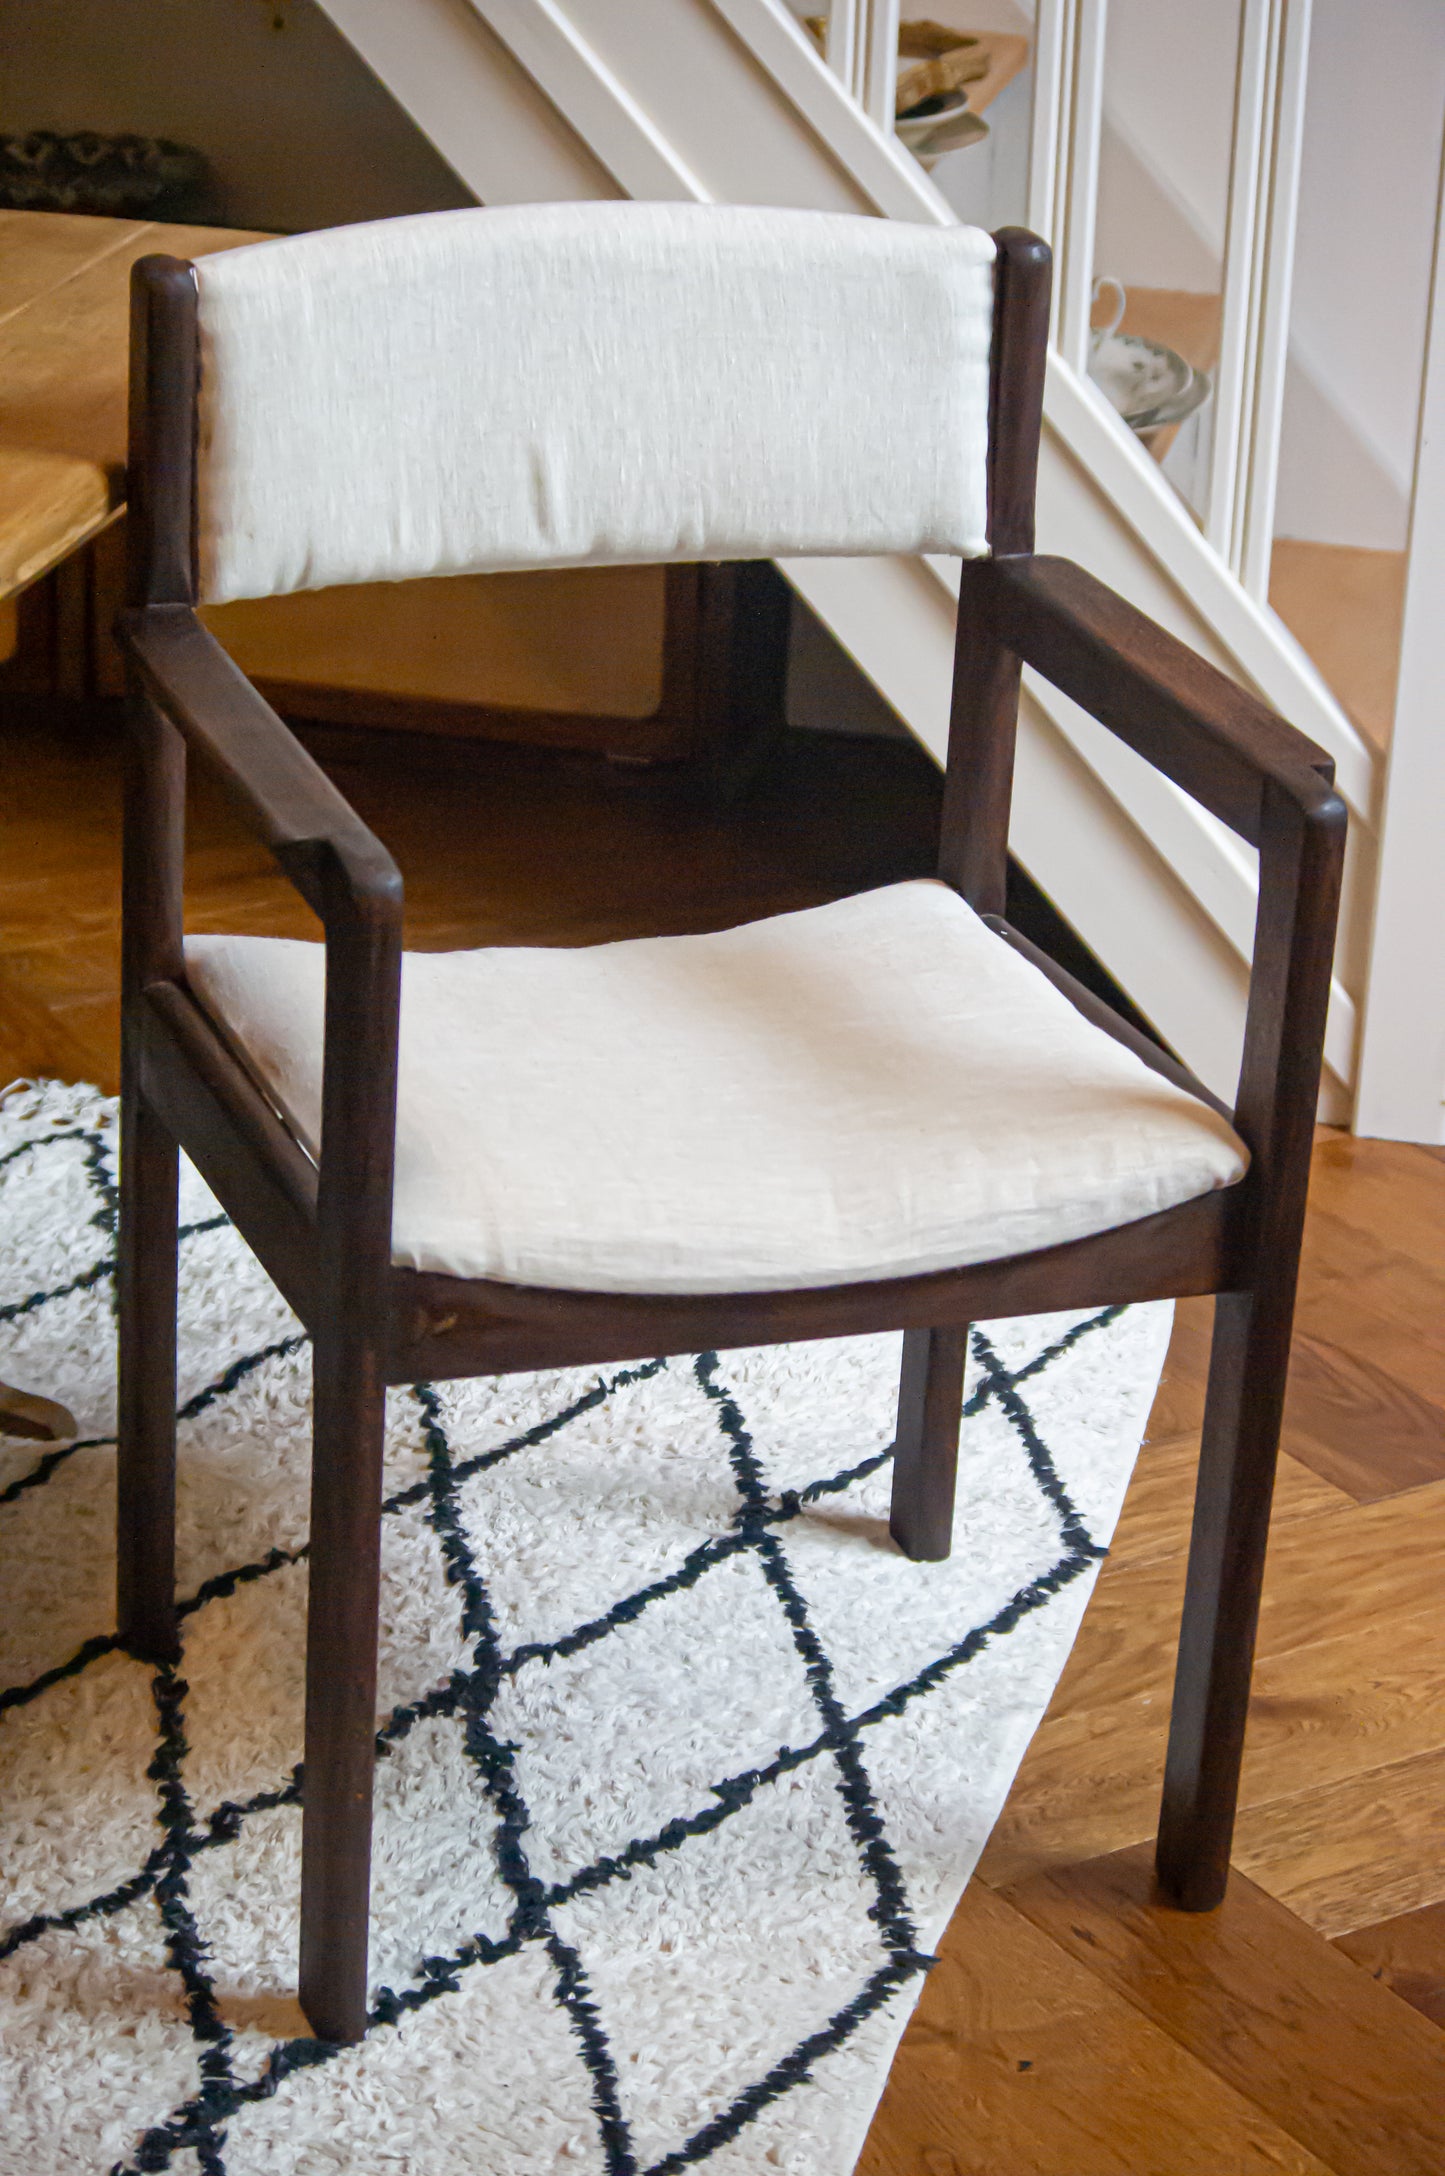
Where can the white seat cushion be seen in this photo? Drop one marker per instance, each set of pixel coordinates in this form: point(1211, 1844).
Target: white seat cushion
point(872, 1088)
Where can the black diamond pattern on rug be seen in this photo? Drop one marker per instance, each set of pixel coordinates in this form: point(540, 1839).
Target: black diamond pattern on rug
point(203, 1795)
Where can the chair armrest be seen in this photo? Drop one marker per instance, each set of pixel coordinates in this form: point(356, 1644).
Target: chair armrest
point(334, 861)
point(1269, 783)
point(1223, 746)
point(341, 870)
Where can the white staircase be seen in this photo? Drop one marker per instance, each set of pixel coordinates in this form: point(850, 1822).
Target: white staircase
point(730, 100)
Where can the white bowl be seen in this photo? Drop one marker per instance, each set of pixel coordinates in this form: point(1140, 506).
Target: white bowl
point(914, 129)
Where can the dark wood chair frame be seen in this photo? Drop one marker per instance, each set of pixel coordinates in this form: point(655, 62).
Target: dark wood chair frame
point(323, 1232)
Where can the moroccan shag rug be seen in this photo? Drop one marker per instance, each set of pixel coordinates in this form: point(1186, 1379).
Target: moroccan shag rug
point(683, 1768)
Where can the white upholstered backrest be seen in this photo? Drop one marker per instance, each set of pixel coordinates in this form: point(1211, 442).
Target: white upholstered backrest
point(579, 384)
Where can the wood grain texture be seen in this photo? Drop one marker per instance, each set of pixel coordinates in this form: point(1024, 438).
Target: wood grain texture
point(1407, 1954)
point(1366, 1299)
point(1362, 1424)
point(1332, 2055)
point(1330, 1576)
point(1223, 746)
point(1342, 1853)
point(1022, 2062)
point(1155, 1520)
point(43, 251)
point(925, 1445)
point(63, 316)
point(1320, 1716)
point(1390, 1191)
point(983, 707)
point(1179, 1405)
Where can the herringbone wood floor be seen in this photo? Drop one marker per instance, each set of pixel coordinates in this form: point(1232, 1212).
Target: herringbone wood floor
point(1074, 2027)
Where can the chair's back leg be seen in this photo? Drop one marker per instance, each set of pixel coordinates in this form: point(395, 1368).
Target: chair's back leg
point(348, 1423)
point(1242, 1415)
point(146, 1435)
point(925, 1451)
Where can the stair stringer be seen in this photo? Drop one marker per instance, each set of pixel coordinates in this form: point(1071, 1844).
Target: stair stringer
point(727, 100)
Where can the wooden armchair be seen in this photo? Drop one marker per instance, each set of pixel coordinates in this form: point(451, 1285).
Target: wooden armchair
point(890, 1113)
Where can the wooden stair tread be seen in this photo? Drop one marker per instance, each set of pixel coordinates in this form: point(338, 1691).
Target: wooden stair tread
point(1329, 2053)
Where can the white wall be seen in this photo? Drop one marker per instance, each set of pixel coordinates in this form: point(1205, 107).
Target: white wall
point(298, 129)
point(1362, 266)
point(1164, 168)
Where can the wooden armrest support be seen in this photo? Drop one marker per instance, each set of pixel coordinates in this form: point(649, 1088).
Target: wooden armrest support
point(188, 686)
point(316, 836)
point(1223, 746)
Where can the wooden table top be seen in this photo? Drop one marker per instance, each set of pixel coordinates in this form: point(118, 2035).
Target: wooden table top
point(64, 319)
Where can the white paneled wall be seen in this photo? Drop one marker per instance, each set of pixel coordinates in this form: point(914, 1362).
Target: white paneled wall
point(1362, 269)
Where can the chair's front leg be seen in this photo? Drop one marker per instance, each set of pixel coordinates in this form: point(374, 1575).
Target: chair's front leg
point(146, 1430)
point(1302, 839)
point(349, 1414)
point(925, 1450)
point(1243, 1411)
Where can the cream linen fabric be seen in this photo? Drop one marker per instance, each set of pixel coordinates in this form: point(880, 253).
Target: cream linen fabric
point(578, 384)
point(864, 1089)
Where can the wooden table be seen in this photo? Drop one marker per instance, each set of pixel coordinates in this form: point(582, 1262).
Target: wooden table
point(64, 313)
point(64, 285)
